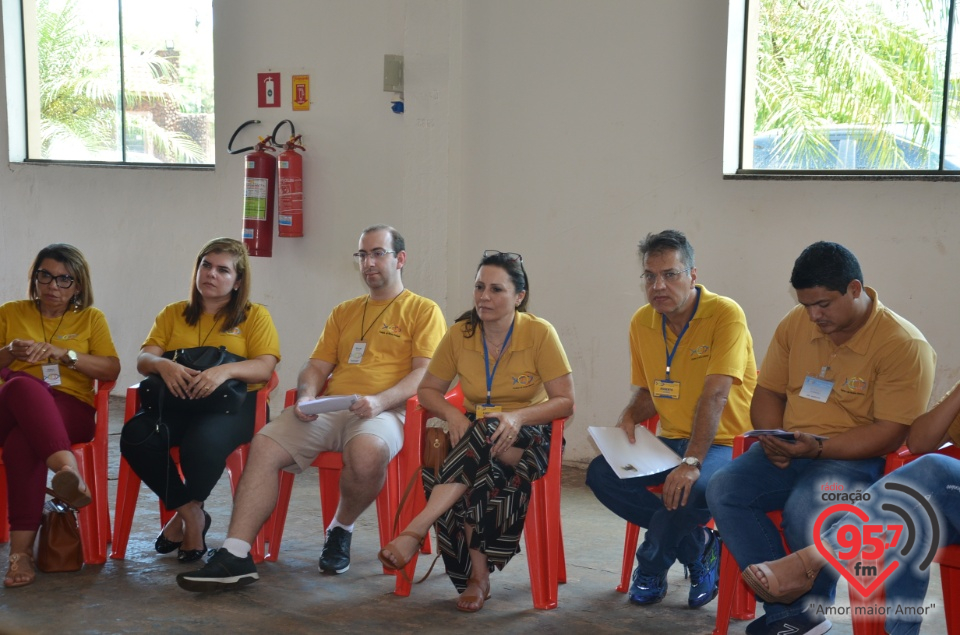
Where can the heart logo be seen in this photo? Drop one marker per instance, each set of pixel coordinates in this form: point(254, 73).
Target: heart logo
point(852, 580)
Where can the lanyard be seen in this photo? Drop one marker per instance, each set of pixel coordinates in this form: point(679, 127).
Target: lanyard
point(215, 320)
point(663, 326)
point(43, 326)
point(486, 359)
point(363, 318)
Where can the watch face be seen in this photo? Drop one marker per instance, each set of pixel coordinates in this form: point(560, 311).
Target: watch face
point(72, 356)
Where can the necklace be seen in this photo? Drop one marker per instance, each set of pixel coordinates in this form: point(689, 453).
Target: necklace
point(43, 326)
point(215, 320)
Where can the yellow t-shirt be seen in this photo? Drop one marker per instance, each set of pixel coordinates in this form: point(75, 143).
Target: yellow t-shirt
point(394, 331)
point(954, 430)
point(85, 331)
point(254, 336)
point(533, 356)
point(884, 372)
point(717, 342)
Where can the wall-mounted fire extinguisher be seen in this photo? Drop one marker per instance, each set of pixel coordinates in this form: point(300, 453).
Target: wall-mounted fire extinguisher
point(259, 184)
point(290, 182)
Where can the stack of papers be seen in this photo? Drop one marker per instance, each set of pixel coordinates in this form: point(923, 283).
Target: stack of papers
point(327, 404)
point(649, 455)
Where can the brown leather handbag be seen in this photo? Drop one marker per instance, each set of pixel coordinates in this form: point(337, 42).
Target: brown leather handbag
point(435, 449)
point(59, 548)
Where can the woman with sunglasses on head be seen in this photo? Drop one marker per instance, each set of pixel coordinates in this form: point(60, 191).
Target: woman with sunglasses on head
point(55, 345)
point(218, 314)
point(516, 380)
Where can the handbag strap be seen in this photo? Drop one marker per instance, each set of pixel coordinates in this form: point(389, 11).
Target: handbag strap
point(396, 520)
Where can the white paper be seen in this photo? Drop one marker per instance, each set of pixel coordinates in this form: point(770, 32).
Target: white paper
point(649, 455)
point(327, 404)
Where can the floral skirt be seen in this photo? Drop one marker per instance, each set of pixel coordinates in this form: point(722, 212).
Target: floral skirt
point(495, 502)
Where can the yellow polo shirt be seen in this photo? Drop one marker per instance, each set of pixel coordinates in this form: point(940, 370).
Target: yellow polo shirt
point(717, 342)
point(954, 430)
point(85, 331)
point(394, 331)
point(884, 372)
point(533, 356)
point(254, 337)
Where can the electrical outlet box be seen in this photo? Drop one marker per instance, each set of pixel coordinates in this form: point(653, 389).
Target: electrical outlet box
point(393, 73)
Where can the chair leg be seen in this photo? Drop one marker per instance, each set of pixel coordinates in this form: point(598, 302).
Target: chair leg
point(87, 517)
point(279, 516)
point(950, 581)
point(629, 556)
point(128, 491)
point(729, 583)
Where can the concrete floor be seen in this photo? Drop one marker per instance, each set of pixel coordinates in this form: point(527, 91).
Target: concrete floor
point(139, 594)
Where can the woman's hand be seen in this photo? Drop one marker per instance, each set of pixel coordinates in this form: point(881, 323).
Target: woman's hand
point(458, 427)
point(506, 433)
point(33, 352)
point(204, 383)
point(177, 377)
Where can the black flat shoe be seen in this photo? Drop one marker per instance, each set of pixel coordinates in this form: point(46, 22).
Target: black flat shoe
point(164, 545)
point(192, 555)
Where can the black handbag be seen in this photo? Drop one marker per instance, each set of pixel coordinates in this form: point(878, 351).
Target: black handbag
point(226, 399)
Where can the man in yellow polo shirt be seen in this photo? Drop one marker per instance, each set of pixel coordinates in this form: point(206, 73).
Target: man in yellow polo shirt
point(375, 347)
point(847, 376)
point(693, 365)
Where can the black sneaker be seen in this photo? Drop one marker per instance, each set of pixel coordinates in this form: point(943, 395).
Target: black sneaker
point(806, 623)
point(705, 573)
point(335, 557)
point(222, 571)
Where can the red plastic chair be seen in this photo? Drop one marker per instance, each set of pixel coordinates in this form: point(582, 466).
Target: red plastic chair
point(744, 604)
point(948, 557)
point(128, 483)
point(543, 535)
point(733, 590)
point(94, 519)
point(329, 465)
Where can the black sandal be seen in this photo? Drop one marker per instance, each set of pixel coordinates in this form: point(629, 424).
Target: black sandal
point(192, 555)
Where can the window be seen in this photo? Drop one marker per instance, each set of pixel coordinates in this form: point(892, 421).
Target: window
point(115, 81)
point(842, 87)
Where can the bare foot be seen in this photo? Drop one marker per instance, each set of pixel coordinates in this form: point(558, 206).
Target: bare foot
point(173, 530)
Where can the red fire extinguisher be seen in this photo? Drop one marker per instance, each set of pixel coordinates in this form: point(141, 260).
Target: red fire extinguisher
point(290, 173)
point(259, 184)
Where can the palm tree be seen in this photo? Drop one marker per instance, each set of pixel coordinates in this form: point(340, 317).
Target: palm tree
point(79, 84)
point(872, 65)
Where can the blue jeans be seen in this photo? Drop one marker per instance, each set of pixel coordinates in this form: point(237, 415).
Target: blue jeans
point(671, 535)
point(741, 494)
point(936, 478)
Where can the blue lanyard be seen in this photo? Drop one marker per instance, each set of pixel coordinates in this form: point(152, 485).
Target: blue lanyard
point(663, 327)
point(486, 360)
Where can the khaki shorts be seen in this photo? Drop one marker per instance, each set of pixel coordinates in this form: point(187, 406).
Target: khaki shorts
point(331, 432)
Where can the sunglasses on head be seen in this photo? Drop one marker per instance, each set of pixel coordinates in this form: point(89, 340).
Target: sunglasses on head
point(508, 256)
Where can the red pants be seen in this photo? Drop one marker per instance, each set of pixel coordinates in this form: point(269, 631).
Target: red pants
point(35, 422)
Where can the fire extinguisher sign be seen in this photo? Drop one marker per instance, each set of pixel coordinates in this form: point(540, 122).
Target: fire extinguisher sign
point(268, 90)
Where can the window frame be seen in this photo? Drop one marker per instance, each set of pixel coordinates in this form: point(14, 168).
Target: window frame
point(735, 113)
point(19, 130)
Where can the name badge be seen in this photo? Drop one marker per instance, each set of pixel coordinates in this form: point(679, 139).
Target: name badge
point(51, 374)
point(485, 410)
point(356, 353)
point(666, 389)
point(816, 389)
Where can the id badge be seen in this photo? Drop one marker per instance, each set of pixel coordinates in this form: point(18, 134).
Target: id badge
point(485, 410)
point(356, 353)
point(666, 389)
point(816, 389)
point(51, 374)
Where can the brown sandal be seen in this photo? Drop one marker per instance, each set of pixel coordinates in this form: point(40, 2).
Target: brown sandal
point(20, 564)
point(774, 572)
point(391, 550)
point(70, 488)
point(473, 599)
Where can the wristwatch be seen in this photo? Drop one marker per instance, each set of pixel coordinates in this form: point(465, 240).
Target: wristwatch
point(72, 359)
point(692, 460)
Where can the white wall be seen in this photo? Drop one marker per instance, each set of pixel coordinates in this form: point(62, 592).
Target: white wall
point(562, 129)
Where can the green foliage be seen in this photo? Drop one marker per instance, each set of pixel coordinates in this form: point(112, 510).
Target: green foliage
point(824, 63)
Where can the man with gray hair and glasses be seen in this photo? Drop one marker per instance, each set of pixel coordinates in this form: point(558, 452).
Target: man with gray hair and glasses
point(377, 347)
point(693, 365)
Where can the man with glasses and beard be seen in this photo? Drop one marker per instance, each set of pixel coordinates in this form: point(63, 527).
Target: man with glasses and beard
point(693, 365)
point(377, 347)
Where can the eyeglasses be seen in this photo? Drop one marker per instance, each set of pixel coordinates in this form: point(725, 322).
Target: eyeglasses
point(376, 254)
point(508, 256)
point(45, 277)
point(668, 276)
